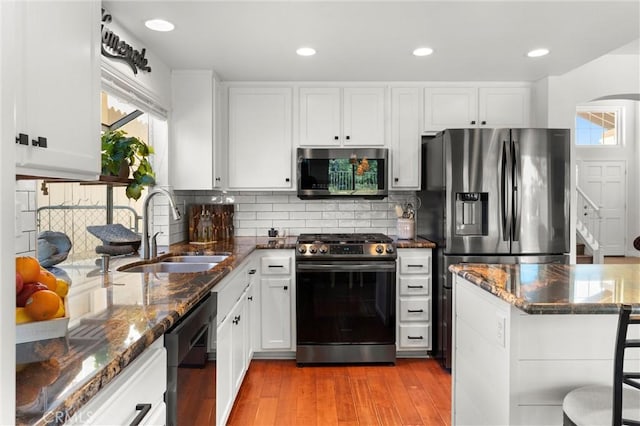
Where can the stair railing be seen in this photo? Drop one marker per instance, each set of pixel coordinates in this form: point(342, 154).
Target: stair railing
point(589, 222)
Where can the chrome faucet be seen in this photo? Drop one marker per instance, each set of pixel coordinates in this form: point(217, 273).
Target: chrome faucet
point(145, 218)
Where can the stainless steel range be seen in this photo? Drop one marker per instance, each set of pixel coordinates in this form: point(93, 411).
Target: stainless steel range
point(345, 298)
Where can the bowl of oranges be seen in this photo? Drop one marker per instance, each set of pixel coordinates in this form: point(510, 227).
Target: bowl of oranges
point(41, 310)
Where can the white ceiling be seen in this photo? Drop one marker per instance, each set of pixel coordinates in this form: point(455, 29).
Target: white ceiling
point(369, 41)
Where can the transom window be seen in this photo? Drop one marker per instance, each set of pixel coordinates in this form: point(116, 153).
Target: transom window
point(597, 127)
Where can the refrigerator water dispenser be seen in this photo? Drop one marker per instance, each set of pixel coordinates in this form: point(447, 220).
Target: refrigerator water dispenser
point(471, 213)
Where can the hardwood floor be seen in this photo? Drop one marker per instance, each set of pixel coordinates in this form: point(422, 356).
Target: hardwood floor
point(413, 392)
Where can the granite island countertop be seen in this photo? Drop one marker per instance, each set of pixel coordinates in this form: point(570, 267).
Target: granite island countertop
point(558, 289)
point(113, 319)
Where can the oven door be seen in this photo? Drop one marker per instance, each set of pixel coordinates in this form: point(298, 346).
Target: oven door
point(345, 302)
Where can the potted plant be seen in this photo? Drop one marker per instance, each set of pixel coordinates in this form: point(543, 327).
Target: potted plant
point(126, 156)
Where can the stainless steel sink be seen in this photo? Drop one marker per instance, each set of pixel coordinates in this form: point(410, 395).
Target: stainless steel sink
point(179, 264)
point(196, 258)
point(171, 267)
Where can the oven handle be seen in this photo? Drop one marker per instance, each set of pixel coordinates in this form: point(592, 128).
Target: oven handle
point(347, 266)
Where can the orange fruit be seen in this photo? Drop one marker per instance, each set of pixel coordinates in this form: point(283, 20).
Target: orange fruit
point(47, 278)
point(42, 305)
point(62, 287)
point(28, 267)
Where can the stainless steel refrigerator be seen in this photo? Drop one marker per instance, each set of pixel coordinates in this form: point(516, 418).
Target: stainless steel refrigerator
point(492, 196)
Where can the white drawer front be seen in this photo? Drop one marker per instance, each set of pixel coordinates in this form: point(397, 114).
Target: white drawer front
point(415, 265)
point(415, 309)
point(275, 265)
point(415, 286)
point(415, 336)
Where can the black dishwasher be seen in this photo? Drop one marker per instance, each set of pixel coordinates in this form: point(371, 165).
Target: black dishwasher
point(186, 343)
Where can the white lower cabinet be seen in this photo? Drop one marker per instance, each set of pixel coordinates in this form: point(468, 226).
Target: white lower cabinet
point(137, 393)
point(414, 300)
point(233, 345)
point(277, 299)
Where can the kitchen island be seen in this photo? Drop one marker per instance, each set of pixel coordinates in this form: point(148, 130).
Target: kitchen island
point(525, 335)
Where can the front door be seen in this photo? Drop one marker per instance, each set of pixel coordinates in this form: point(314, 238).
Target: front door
point(604, 182)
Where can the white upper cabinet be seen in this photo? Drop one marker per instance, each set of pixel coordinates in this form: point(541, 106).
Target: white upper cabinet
point(320, 122)
point(450, 107)
point(260, 138)
point(504, 107)
point(195, 157)
point(58, 101)
point(342, 117)
point(465, 107)
point(405, 138)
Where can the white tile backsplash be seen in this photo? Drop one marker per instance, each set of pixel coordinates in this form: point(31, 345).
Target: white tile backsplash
point(256, 212)
point(25, 207)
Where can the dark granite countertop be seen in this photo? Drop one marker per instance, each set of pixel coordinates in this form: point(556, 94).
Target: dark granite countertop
point(558, 289)
point(416, 243)
point(127, 312)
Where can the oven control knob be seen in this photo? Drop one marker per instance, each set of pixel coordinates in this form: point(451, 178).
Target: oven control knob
point(324, 249)
point(302, 249)
point(389, 249)
point(379, 249)
point(313, 250)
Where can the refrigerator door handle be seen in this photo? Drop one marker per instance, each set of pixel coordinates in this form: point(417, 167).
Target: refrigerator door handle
point(517, 194)
point(503, 173)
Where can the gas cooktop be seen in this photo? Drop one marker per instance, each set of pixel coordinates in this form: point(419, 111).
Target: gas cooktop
point(344, 246)
point(344, 238)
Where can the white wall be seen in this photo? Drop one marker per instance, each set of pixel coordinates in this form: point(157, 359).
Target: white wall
point(608, 75)
point(7, 215)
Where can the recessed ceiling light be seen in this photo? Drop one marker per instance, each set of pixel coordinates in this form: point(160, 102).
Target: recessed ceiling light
point(306, 51)
point(536, 53)
point(159, 25)
point(423, 51)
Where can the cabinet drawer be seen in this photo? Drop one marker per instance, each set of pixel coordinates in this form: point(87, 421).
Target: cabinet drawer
point(415, 265)
point(275, 265)
point(415, 336)
point(144, 381)
point(230, 293)
point(415, 286)
point(415, 309)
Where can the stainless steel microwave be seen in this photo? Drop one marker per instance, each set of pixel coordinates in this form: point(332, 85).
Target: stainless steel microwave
point(342, 173)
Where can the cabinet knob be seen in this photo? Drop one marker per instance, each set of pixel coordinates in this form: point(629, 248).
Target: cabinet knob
point(41, 142)
point(250, 298)
point(336, 138)
point(252, 271)
point(473, 122)
point(483, 122)
point(348, 137)
point(396, 179)
point(286, 288)
point(217, 179)
point(287, 179)
point(22, 139)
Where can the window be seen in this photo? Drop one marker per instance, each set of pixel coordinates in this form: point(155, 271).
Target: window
point(597, 127)
point(71, 207)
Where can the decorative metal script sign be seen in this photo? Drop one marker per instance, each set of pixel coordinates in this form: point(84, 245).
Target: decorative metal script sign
point(114, 48)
